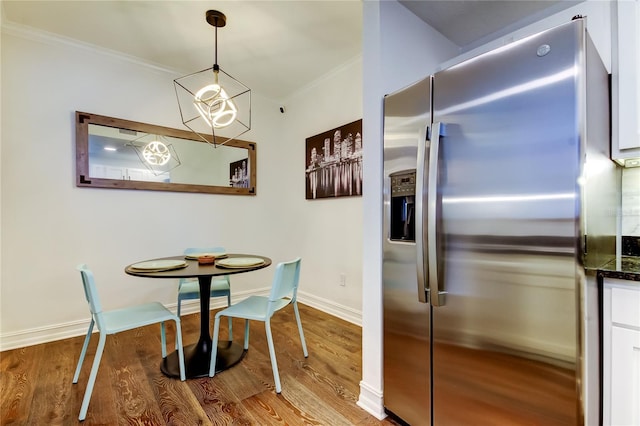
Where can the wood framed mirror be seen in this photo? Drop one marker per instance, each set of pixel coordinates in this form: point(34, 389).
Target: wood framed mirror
point(123, 154)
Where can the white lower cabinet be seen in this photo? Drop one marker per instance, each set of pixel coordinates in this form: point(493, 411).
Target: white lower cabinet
point(621, 360)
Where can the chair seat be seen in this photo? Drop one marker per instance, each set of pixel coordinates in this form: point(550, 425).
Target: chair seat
point(253, 308)
point(219, 287)
point(118, 320)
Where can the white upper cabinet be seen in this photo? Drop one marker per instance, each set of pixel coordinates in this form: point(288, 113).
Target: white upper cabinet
point(625, 80)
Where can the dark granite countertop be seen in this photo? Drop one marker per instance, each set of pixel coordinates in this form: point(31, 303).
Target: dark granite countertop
point(629, 269)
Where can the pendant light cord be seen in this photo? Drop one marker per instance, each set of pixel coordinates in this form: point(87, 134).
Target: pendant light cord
point(215, 61)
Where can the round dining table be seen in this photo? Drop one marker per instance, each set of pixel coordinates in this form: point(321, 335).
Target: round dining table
point(197, 356)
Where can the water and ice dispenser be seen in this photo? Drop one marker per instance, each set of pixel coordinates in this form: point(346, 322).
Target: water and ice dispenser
point(402, 217)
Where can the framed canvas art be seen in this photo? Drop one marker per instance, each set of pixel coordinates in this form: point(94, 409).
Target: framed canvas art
point(239, 174)
point(334, 162)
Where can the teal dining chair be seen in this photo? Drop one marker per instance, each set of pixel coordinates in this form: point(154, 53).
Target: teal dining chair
point(115, 321)
point(284, 291)
point(189, 288)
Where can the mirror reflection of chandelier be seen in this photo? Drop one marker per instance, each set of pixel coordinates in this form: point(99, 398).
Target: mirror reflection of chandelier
point(213, 104)
point(156, 153)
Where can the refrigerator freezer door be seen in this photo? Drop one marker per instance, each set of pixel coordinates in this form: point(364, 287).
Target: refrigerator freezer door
point(504, 344)
point(406, 313)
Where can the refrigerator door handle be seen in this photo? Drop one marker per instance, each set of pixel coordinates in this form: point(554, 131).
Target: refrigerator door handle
point(434, 254)
point(421, 254)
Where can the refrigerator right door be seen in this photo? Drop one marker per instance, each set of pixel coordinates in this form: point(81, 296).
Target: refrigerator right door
point(506, 329)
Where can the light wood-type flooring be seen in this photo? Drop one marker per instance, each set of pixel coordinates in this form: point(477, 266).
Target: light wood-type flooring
point(36, 386)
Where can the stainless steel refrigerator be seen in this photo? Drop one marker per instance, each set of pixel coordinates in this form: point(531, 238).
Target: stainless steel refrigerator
point(499, 196)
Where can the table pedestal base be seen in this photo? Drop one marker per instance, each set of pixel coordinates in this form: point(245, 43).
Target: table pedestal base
point(196, 361)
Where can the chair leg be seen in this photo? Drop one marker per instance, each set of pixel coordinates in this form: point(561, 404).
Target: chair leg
point(183, 376)
point(83, 352)
point(230, 322)
point(304, 343)
point(272, 354)
point(214, 346)
point(246, 334)
point(163, 339)
point(178, 314)
point(92, 377)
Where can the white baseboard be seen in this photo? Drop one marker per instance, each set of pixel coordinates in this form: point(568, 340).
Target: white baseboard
point(371, 401)
point(37, 335)
point(343, 312)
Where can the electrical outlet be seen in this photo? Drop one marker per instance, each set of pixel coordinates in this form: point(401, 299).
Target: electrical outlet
point(343, 279)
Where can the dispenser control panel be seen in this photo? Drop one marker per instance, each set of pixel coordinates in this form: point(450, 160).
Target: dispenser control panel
point(403, 184)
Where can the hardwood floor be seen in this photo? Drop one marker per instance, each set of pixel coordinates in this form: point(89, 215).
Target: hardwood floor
point(322, 389)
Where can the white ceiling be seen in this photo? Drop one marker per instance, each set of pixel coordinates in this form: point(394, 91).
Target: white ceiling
point(467, 22)
point(275, 47)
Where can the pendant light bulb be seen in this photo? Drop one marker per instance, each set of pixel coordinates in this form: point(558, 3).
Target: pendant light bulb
point(214, 105)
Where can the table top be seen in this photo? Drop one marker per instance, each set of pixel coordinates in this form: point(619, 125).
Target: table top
point(194, 269)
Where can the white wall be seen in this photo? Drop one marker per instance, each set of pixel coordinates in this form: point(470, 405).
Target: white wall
point(49, 225)
point(397, 50)
point(329, 230)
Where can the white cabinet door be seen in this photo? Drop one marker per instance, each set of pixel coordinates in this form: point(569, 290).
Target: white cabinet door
point(625, 80)
point(625, 376)
point(146, 175)
point(621, 353)
point(106, 172)
point(137, 174)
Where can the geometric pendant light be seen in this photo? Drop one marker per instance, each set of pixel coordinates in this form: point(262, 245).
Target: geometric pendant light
point(213, 104)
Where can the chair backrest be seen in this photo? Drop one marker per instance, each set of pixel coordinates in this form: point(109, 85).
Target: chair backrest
point(218, 249)
point(286, 280)
point(204, 250)
point(91, 293)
